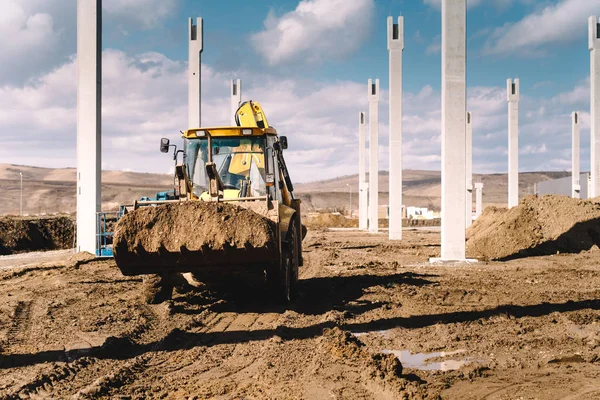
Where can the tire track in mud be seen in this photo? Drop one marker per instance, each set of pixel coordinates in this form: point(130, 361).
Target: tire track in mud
point(115, 375)
point(173, 364)
point(114, 380)
point(44, 383)
point(21, 322)
point(80, 370)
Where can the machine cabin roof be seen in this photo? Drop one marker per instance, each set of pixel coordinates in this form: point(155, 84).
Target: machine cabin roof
point(228, 131)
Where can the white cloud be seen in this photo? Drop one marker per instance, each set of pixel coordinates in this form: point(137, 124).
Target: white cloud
point(579, 94)
point(29, 39)
point(532, 149)
point(435, 47)
point(145, 98)
point(314, 31)
point(40, 35)
point(147, 12)
point(563, 22)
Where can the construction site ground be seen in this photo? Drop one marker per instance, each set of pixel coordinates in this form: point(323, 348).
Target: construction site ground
point(527, 328)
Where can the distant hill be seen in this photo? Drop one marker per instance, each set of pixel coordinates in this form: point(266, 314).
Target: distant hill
point(421, 188)
point(48, 190)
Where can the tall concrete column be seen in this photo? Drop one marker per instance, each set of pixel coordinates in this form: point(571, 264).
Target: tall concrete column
point(454, 104)
point(478, 199)
point(373, 156)
point(363, 185)
point(89, 133)
point(575, 164)
point(236, 98)
point(395, 48)
point(594, 45)
point(194, 74)
point(469, 181)
point(512, 96)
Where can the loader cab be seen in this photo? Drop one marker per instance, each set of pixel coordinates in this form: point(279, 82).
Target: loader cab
point(243, 158)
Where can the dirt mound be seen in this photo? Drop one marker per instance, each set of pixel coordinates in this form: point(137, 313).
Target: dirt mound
point(185, 236)
point(537, 226)
point(24, 234)
point(328, 220)
point(81, 258)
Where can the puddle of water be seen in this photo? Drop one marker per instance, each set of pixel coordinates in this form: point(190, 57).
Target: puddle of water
point(419, 360)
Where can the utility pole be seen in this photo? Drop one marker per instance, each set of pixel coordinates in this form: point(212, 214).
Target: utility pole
point(21, 203)
point(350, 191)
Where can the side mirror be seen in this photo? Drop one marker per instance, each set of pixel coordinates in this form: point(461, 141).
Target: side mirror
point(164, 145)
point(284, 142)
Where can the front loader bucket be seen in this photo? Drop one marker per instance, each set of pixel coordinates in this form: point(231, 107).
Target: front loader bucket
point(193, 236)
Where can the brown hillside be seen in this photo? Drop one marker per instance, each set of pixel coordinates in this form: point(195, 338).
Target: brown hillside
point(47, 190)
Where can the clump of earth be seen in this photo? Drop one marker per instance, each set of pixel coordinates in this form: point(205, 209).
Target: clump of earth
point(23, 234)
point(536, 226)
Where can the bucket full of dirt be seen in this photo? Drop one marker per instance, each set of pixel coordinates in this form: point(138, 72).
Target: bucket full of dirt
point(192, 236)
point(536, 226)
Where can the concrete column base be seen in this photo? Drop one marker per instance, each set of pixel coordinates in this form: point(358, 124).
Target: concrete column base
point(437, 260)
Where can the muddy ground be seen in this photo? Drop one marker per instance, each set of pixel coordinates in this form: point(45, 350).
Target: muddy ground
point(527, 328)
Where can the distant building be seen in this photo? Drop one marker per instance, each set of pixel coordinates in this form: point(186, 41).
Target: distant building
point(410, 212)
point(562, 186)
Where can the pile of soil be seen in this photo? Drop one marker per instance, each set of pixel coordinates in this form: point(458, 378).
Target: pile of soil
point(177, 236)
point(336, 220)
point(328, 220)
point(537, 226)
point(24, 234)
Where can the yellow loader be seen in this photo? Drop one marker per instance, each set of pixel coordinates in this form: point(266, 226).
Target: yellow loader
point(234, 208)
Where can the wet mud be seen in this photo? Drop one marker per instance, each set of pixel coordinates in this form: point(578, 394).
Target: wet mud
point(525, 328)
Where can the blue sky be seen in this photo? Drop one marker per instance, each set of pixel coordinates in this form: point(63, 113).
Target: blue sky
point(307, 62)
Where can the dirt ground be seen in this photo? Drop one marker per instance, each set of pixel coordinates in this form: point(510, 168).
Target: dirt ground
point(27, 234)
point(522, 329)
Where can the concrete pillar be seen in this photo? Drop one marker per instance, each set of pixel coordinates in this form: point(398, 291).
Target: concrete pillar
point(194, 76)
point(512, 96)
point(575, 163)
point(236, 98)
point(395, 48)
point(363, 185)
point(478, 199)
point(469, 168)
point(373, 156)
point(594, 46)
point(89, 133)
point(454, 100)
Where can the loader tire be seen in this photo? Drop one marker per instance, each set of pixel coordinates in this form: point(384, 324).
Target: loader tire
point(293, 261)
point(157, 288)
point(283, 282)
